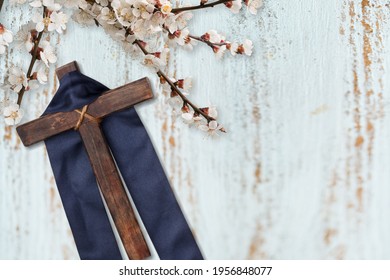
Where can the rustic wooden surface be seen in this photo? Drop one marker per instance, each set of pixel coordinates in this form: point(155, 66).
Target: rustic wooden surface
point(303, 172)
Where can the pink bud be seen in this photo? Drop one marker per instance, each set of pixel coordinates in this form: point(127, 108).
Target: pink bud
point(185, 108)
point(206, 37)
point(180, 83)
point(205, 110)
point(240, 49)
point(229, 4)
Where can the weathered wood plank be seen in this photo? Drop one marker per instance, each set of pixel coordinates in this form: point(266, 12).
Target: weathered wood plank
point(113, 190)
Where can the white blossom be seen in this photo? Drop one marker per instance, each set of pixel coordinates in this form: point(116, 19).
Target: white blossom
point(5, 35)
point(188, 117)
point(185, 84)
point(233, 48)
point(24, 37)
point(6, 38)
point(178, 22)
point(246, 47)
point(50, 4)
point(175, 101)
point(123, 12)
point(211, 128)
point(42, 74)
point(180, 37)
point(254, 5)
point(13, 114)
point(103, 3)
point(47, 54)
point(219, 51)
point(74, 4)
point(143, 9)
point(139, 29)
point(107, 16)
point(163, 56)
point(213, 36)
point(151, 60)
point(234, 6)
point(166, 7)
point(212, 112)
point(41, 22)
point(190, 43)
point(58, 22)
point(17, 79)
point(83, 17)
point(191, 118)
point(39, 77)
point(7, 97)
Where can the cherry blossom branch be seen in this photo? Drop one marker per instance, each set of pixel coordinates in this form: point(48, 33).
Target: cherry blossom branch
point(186, 101)
point(30, 68)
point(207, 42)
point(34, 57)
point(198, 111)
point(201, 39)
point(200, 6)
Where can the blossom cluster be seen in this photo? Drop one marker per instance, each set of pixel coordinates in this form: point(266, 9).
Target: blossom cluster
point(47, 17)
point(6, 38)
point(146, 28)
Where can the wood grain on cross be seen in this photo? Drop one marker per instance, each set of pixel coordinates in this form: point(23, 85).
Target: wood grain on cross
point(87, 121)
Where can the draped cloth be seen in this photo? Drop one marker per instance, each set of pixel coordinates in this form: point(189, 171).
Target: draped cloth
point(139, 166)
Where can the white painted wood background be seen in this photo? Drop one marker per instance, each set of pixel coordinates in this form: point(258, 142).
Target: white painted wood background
point(304, 171)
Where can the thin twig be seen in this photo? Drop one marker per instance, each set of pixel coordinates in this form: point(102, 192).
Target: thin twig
point(200, 6)
point(210, 44)
point(176, 89)
point(200, 39)
point(1, 4)
point(33, 60)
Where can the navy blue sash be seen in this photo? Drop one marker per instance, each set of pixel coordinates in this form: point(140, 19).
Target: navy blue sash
point(141, 171)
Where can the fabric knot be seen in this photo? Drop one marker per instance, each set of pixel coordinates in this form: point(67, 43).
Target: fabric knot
point(83, 114)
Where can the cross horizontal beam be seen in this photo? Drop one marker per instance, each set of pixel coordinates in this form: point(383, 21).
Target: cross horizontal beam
point(112, 101)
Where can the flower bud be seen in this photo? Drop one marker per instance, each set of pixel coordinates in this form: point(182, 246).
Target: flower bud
point(185, 108)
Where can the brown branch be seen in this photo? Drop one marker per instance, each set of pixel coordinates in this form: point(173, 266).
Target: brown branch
point(200, 39)
point(176, 89)
point(210, 44)
point(200, 6)
point(33, 60)
point(1, 4)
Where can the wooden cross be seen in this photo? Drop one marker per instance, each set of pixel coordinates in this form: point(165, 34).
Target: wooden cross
point(86, 120)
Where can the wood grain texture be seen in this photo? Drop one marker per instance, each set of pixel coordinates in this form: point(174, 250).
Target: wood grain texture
point(302, 172)
point(67, 68)
point(46, 127)
point(110, 184)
